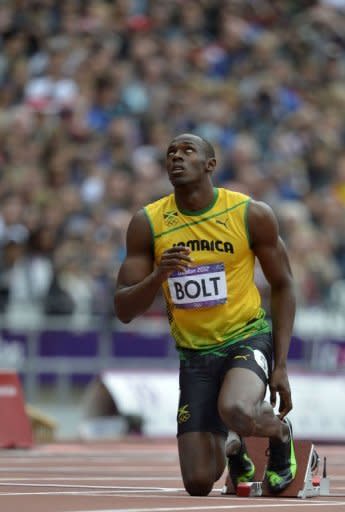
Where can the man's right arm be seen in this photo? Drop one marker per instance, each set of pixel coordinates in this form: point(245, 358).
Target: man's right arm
point(139, 279)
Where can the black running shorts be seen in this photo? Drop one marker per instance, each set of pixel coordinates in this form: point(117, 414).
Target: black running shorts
point(201, 377)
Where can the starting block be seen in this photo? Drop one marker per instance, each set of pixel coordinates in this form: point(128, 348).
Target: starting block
point(306, 484)
point(15, 428)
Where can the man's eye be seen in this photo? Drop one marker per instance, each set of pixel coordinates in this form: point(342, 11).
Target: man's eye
point(189, 150)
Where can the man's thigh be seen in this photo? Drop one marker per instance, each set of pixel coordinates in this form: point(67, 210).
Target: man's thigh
point(247, 370)
point(200, 382)
point(253, 354)
point(241, 386)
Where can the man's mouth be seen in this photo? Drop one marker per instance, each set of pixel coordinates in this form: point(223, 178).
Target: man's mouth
point(177, 169)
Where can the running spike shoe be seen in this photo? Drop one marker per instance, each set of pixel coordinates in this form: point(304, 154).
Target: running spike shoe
point(241, 467)
point(282, 465)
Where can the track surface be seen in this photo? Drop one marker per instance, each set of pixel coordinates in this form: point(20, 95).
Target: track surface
point(134, 475)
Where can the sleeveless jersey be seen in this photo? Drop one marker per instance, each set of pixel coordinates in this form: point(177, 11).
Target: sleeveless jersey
point(214, 302)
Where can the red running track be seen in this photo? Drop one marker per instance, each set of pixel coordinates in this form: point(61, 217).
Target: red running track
point(137, 475)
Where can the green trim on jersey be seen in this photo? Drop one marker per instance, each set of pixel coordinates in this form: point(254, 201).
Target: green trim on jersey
point(204, 210)
point(152, 231)
point(187, 224)
point(258, 326)
point(246, 222)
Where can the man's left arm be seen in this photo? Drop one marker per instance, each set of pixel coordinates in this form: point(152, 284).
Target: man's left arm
point(272, 255)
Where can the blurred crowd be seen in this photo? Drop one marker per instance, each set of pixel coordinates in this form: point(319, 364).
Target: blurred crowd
point(91, 93)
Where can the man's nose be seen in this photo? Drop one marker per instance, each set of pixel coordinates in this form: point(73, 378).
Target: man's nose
point(177, 155)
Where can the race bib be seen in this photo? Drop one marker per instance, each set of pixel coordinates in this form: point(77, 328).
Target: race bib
point(199, 287)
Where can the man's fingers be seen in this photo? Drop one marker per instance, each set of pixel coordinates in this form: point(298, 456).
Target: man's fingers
point(282, 410)
point(177, 254)
point(273, 397)
point(175, 259)
point(178, 249)
point(285, 405)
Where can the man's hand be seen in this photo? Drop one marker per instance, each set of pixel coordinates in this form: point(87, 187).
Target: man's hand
point(174, 259)
point(279, 383)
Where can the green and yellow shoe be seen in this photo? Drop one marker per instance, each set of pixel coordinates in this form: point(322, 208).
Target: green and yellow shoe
point(241, 467)
point(282, 465)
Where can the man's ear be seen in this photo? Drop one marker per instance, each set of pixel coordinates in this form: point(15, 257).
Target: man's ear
point(211, 164)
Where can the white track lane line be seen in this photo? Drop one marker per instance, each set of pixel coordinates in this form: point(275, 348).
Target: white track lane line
point(83, 469)
point(209, 508)
point(86, 478)
point(114, 488)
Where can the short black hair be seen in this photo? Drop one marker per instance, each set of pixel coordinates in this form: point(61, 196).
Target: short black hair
point(209, 149)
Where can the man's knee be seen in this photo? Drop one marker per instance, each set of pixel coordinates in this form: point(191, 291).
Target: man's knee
point(238, 416)
point(198, 484)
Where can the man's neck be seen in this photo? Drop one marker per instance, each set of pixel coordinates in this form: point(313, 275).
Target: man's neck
point(194, 199)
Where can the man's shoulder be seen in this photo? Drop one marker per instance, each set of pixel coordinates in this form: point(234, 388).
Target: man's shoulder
point(159, 203)
point(163, 214)
point(234, 196)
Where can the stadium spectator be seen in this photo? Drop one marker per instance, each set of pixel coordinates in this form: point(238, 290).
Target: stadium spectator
point(91, 93)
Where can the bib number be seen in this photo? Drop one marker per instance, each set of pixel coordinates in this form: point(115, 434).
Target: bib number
point(199, 287)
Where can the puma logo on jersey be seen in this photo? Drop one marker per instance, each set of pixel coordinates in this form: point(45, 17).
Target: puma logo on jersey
point(244, 357)
point(223, 223)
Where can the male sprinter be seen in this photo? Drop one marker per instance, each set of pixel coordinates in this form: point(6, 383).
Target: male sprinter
point(199, 244)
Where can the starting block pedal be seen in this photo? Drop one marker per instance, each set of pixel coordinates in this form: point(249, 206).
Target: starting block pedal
point(324, 485)
point(249, 489)
point(306, 484)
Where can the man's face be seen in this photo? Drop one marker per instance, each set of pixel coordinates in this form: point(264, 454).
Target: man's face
point(187, 161)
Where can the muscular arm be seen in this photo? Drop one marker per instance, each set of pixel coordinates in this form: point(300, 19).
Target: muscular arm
point(139, 279)
point(273, 258)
